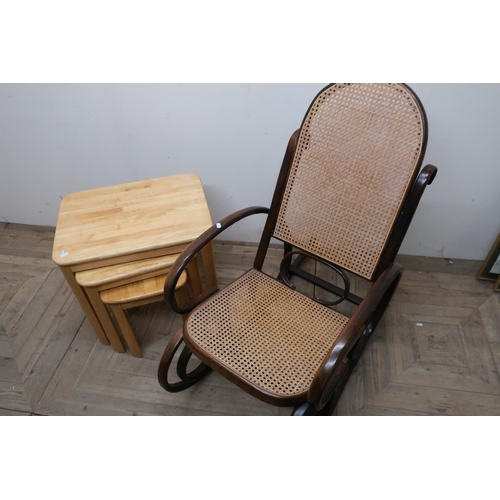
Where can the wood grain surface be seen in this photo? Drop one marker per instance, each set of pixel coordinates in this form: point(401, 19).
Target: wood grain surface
point(142, 216)
point(435, 352)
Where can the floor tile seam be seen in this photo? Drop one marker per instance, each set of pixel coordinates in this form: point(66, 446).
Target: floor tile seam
point(394, 380)
point(444, 389)
point(27, 304)
point(53, 328)
point(55, 369)
point(16, 410)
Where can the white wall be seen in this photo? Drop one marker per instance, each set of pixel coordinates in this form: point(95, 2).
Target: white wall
point(459, 216)
point(57, 139)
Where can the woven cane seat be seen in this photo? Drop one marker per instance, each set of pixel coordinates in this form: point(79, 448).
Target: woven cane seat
point(355, 162)
point(268, 335)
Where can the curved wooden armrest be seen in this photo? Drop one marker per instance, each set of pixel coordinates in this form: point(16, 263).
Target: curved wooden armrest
point(191, 250)
point(324, 381)
point(429, 171)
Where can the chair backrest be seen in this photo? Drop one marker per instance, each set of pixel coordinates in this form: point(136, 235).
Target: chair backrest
point(359, 150)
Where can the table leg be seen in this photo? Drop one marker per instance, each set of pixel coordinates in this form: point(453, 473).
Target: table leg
point(182, 296)
point(84, 302)
point(105, 319)
point(128, 334)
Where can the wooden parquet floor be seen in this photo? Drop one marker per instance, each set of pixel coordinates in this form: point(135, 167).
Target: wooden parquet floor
point(435, 352)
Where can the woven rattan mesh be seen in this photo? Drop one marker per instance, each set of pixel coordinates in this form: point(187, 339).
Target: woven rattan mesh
point(356, 156)
point(270, 335)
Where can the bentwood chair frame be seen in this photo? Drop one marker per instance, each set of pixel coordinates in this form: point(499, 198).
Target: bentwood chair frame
point(398, 175)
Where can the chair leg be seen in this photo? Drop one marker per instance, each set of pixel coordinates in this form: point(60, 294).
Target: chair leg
point(194, 277)
point(207, 258)
point(304, 410)
point(182, 296)
point(332, 403)
point(199, 372)
point(287, 248)
point(358, 348)
point(187, 379)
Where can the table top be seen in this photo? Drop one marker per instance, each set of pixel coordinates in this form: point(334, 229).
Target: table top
point(110, 274)
point(108, 222)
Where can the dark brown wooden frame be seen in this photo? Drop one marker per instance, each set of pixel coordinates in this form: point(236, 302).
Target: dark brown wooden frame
point(491, 258)
point(334, 372)
point(497, 285)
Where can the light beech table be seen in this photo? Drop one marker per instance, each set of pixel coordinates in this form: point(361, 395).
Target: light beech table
point(126, 224)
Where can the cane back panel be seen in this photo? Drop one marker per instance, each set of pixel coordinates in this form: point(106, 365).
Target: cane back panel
point(356, 157)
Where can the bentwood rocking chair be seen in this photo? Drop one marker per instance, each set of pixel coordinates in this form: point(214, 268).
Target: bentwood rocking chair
point(345, 196)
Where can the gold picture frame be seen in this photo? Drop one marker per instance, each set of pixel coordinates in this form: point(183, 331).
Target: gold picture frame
point(490, 269)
